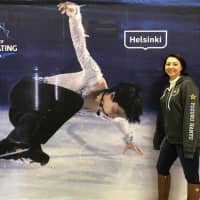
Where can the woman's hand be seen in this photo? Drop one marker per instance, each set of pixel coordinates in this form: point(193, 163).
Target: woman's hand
point(68, 8)
point(133, 148)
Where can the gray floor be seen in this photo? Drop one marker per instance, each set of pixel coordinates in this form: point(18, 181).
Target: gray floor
point(87, 163)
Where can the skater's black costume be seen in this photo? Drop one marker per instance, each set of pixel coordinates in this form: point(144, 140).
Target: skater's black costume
point(34, 126)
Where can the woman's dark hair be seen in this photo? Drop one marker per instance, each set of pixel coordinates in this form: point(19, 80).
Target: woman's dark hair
point(128, 96)
point(181, 60)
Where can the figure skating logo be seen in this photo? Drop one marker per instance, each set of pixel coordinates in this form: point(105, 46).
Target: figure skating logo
point(6, 47)
point(5, 31)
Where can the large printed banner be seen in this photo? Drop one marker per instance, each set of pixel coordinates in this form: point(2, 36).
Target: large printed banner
point(128, 40)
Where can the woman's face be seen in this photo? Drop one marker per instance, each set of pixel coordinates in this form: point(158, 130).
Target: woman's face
point(110, 108)
point(173, 67)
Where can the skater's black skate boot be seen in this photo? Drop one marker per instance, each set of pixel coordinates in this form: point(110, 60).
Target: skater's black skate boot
point(15, 150)
point(36, 154)
point(11, 147)
point(4, 146)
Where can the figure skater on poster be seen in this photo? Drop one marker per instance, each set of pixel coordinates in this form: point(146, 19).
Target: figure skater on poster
point(39, 106)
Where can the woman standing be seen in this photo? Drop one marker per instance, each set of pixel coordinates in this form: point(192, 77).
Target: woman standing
point(178, 128)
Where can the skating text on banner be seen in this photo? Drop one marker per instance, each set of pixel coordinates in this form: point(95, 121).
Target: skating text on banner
point(6, 47)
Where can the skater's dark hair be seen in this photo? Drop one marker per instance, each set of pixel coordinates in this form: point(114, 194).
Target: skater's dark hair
point(128, 96)
point(181, 60)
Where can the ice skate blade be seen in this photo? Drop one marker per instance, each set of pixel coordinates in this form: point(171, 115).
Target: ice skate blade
point(20, 151)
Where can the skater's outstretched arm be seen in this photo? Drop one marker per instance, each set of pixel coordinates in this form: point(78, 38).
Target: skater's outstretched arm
point(128, 137)
point(90, 77)
point(93, 76)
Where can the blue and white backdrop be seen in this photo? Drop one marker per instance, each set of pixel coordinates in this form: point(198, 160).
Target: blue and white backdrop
point(128, 39)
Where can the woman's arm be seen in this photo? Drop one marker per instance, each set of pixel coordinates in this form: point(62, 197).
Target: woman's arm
point(159, 132)
point(191, 118)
